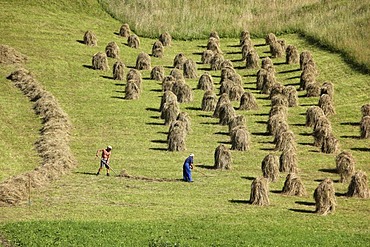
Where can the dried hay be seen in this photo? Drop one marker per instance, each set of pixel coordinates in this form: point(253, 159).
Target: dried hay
point(100, 61)
point(261, 77)
point(157, 73)
point(240, 139)
point(252, 60)
point(9, 55)
point(133, 41)
point(365, 127)
point(259, 192)
point(345, 165)
point(190, 69)
point(293, 185)
point(291, 94)
point(279, 100)
point(288, 161)
point(270, 167)
point(324, 196)
point(235, 93)
point(306, 78)
point(278, 110)
point(276, 49)
point(166, 39)
point(136, 76)
point(223, 99)
point(236, 121)
point(177, 74)
point(177, 86)
point(118, 70)
point(176, 139)
point(167, 97)
point(365, 110)
point(285, 141)
point(244, 35)
point(268, 82)
point(222, 157)
point(176, 124)
point(326, 104)
point(330, 144)
point(185, 118)
point(167, 83)
point(227, 63)
point(205, 82)
point(248, 102)
point(216, 61)
point(270, 38)
point(157, 49)
point(229, 72)
point(313, 89)
point(226, 85)
point(246, 48)
point(327, 88)
point(207, 56)
point(312, 115)
point(321, 131)
point(125, 30)
point(214, 45)
point(267, 63)
point(358, 186)
point(170, 111)
point(291, 55)
point(275, 122)
point(303, 58)
point(209, 101)
point(183, 92)
point(178, 61)
point(112, 50)
point(282, 43)
point(143, 61)
point(226, 113)
point(214, 35)
point(276, 89)
point(90, 39)
point(132, 91)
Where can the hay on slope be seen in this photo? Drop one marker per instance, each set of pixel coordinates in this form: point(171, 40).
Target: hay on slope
point(327, 88)
point(183, 92)
point(293, 185)
point(321, 131)
point(313, 89)
point(214, 45)
point(246, 48)
point(170, 111)
point(177, 74)
point(324, 196)
point(227, 63)
point(100, 61)
point(365, 127)
point(291, 94)
point(143, 61)
point(276, 89)
point(190, 69)
point(275, 123)
point(176, 139)
point(330, 144)
point(209, 101)
point(306, 78)
point(236, 121)
point(266, 63)
point(327, 105)
point(358, 186)
point(166, 39)
point(118, 70)
point(125, 30)
point(157, 49)
point(226, 113)
point(279, 100)
point(90, 39)
point(133, 41)
point(252, 60)
point(222, 158)
point(132, 91)
point(270, 167)
point(207, 56)
point(270, 38)
point(112, 50)
point(304, 57)
point(167, 97)
point(261, 75)
point(223, 99)
point(259, 192)
point(276, 49)
point(269, 81)
point(291, 55)
point(345, 166)
point(288, 161)
point(135, 75)
point(216, 61)
point(214, 34)
point(365, 110)
point(235, 93)
point(185, 118)
point(278, 110)
point(248, 102)
point(9, 55)
point(179, 60)
point(240, 138)
point(244, 35)
point(205, 82)
point(312, 115)
point(285, 141)
point(157, 73)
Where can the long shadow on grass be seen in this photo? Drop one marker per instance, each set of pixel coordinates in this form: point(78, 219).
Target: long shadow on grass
point(288, 71)
point(328, 170)
point(87, 66)
point(224, 142)
point(155, 124)
point(206, 167)
point(152, 109)
point(351, 123)
point(361, 149)
point(86, 173)
point(240, 201)
point(204, 115)
point(159, 141)
point(248, 178)
point(108, 77)
point(305, 203)
point(80, 41)
point(222, 133)
point(320, 180)
point(350, 137)
point(303, 210)
point(192, 108)
point(158, 149)
point(261, 134)
point(118, 97)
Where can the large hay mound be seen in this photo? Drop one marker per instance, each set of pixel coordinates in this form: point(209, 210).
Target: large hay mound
point(322, 129)
point(291, 94)
point(240, 139)
point(177, 74)
point(143, 61)
point(112, 50)
point(365, 127)
point(157, 49)
point(226, 113)
point(270, 38)
point(345, 165)
point(100, 61)
point(285, 140)
point(304, 57)
point(288, 161)
point(276, 49)
point(239, 120)
point(236, 91)
point(324, 196)
point(167, 97)
point(313, 89)
point(136, 76)
point(260, 192)
point(167, 83)
point(252, 60)
point(118, 70)
point(190, 69)
point(222, 157)
point(166, 39)
point(170, 111)
point(183, 92)
point(248, 102)
point(125, 30)
point(246, 48)
point(359, 186)
point(326, 104)
point(313, 113)
point(293, 186)
point(276, 89)
point(216, 62)
point(132, 90)
point(291, 55)
point(279, 100)
point(176, 138)
point(209, 101)
point(157, 73)
point(207, 56)
point(276, 122)
point(223, 99)
point(267, 63)
point(244, 35)
point(185, 118)
point(179, 60)
point(270, 167)
point(133, 41)
point(365, 110)
point(214, 45)
point(90, 39)
point(330, 144)
point(9, 55)
point(306, 78)
point(327, 88)
point(268, 81)
point(205, 82)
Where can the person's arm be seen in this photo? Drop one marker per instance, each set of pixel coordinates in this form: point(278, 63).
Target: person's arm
point(97, 152)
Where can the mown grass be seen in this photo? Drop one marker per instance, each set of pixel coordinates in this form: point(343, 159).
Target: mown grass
point(82, 209)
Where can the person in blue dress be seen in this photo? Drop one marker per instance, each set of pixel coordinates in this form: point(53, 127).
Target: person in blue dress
point(186, 169)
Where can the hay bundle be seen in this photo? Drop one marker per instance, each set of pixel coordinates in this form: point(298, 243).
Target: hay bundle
point(285, 141)
point(227, 63)
point(276, 89)
point(321, 131)
point(112, 50)
point(118, 70)
point(291, 94)
point(133, 41)
point(268, 82)
point(365, 127)
point(327, 88)
point(157, 73)
point(330, 144)
point(9, 55)
point(244, 35)
point(132, 91)
point(223, 99)
point(284, 127)
point(252, 60)
point(259, 192)
point(135, 75)
point(167, 83)
point(365, 110)
point(170, 111)
point(185, 118)
point(270, 38)
point(288, 161)
point(275, 123)
point(359, 185)
point(267, 63)
point(304, 57)
point(214, 45)
point(279, 100)
point(270, 167)
point(248, 102)
point(207, 56)
point(236, 92)
point(291, 55)
point(143, 61)
point(125, 30)
point(183, 92)
point(166, 39)
point(190, 69)
point(293, 185)
point(313, 89)
point(326, 104)
point(324, 196)
point(276, 49)
point(215, 35)
point(157, 49)
point(312, 115)
point(222, 157)
point(306, 78)
point(321, 122)
point(278, 110)
point(176, 138)
point(216, 61)
point(177, 74)
point(209, 101)
point(205, 82)
point(237, 121)
point(176, 124)
point(246, 48)
point(90, 38)
point(240, 139)
point(179, 60)
point(100, 61)
point(226, 85)
point(261, 76)
point(226, 113)
point(167, 97)
point(229, 72)
point(345, 165)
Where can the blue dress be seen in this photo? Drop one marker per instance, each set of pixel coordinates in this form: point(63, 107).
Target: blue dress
point(186, 170)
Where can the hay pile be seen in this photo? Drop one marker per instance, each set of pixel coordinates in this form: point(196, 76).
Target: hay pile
point(223, 99)
point(276, 49)
point(252, 60)
point(100, 61)
point(179, 60)
point(167, 97)
point(214, 45)
point(291, 55)
point(125, 30)
point(207, 56)
point(9, 55)
point(313, 89)
point(112, 50)
point(222, 157)
point(293, 186)
point(177, 74)
point(288, 161)
point(327, 88)
point(217, 61)
point(291, 94)
point(365, 110)
point(227, 63)
point(313, 113)
point(170, 111)
point(205, 82)
point(246, 48)
point(136, 76)
point(143, 61)
point(53, 145)
point(118, 70)
point(157, 49)
point(359, 186)
point(304, 57)
point(279, 100)
point(324, 196)
point(321, 130)
point(167, 83)
point(90, 39)
point(267, 64)
point(185, 118)
point(330, 144)
point(248, 102)
point(237, 121)
point(132, 90)
point(345, 166)
point(308, 78)
point(133, 41)
point(244, 37)
point(176, 137)
point(285, 141)
point(365, 127)
point(183, 91)
point(166, 39)
point(270, 38)
point(190, 69)
point(226, 113)
point(260, 192)
point(276, 121)
point(327, 105)
point(270, 167)
point(209, 101)
point(240, 138)
point(268, 81)
point(157, 73)
point(277, 89)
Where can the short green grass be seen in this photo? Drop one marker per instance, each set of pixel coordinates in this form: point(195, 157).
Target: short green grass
point(81, 209)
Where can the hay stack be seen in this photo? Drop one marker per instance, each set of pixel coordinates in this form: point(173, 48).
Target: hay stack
point(270, 167)
point(90, 39)
point(214, 45)
point(185, 118)
point(291, 55)
point(222, 157)
point(170, 111)
point(229, 72)
point(282, 43)
point(304, 57)
point(223, 99)
point(279, 100)
point(291, 94)
point(190, 69)
point(112, 50)
point(135, 75)
point(275, 123)
point(285, 141)
point(157, 73)
point(244, 35)
point(252, 60)
point(330, 144)
point(125, 30)
point(205, 82)
point(240, 139)
point(267, 64)
point(177, 74)
point(321, 130)
point(207, 56)
point(166, 39)
point(276, 49)
point(176, 138)
point(216, 61)
point(312, 115)
point(278, 110)
point(100, 61)
point(9, 55)
point(227, 63)
point(293, 186)
point(326, 104)
point(183, 92)
point(276, 89)
point(118, 70)
point(178, 61)
point(268, 82)
point(214, 34)
point(143, 61)
point(359, 186)
point(306, 78)
point(167, 83)
point(270, 38)
point(365, 127)
point(239, 120)
point(248, 102)
point(235, 93)
point(246, 48)
point(259, 192)
point(226, 113)
point(288, 161)
point(313, 89)
point(132, 91)
point(167, 97)
point(261, 76)
point(209, 101)
point(327, 88)
point(345, 165)
point(157, 49)
point(365, 110)
point(324, 196)
point(133, 41)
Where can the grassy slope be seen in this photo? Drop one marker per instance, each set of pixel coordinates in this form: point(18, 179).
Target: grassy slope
point(79, 207)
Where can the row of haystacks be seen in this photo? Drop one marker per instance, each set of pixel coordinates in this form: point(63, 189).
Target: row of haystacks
point(53, 145)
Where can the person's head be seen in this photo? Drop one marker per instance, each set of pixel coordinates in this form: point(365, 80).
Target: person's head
point(109, 148)
point(191, 155)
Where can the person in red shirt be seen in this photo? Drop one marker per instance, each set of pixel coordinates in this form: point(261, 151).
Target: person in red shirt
point(105, 158)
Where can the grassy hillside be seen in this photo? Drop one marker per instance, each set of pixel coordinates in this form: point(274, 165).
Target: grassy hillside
point(81, 209)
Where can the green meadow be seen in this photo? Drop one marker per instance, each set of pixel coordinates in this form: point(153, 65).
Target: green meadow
point(82, 209)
